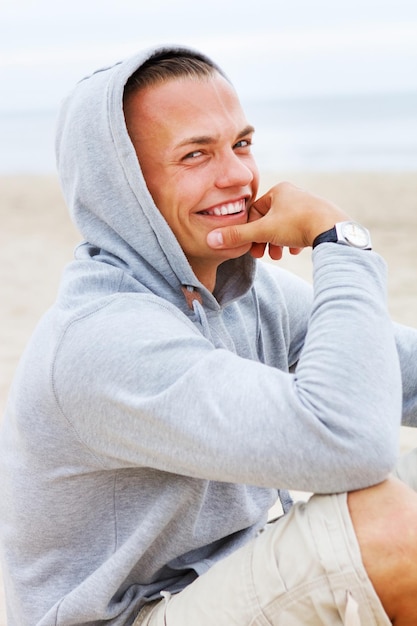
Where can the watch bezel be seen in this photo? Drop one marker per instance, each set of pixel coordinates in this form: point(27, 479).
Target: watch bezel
point(363, 242)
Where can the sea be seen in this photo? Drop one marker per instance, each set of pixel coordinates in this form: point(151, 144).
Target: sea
point(326, 133)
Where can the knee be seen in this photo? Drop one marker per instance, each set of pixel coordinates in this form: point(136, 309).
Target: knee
point(384, 518)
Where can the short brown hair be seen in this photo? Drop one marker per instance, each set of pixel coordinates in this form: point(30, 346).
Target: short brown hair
point(171, 64)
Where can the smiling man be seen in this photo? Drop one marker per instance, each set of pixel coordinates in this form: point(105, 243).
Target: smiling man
point(179, 386)
point(194, 146)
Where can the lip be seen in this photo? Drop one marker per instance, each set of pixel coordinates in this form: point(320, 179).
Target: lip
point(226, 209)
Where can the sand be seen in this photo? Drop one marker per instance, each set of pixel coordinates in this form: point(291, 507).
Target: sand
point(37, 239)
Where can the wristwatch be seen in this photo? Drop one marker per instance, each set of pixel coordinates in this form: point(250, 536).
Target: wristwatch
point(347, 234)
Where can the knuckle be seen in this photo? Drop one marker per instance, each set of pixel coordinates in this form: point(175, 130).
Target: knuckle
point(285, 186)
point(233, 236)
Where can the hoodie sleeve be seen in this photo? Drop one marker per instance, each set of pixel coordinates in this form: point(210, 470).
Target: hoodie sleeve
point(147, 389)
point(406, 340)
point(298, 296)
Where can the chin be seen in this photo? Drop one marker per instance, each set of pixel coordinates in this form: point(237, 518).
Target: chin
point(236, 253)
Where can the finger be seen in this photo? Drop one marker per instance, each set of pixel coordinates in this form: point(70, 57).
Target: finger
point(275, 252)
point(254, 214)
point(234, 236)
point(262, 205)
point(258, 250)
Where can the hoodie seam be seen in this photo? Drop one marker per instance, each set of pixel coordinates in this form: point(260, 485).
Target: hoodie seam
point(181, 316)
point(53, 381)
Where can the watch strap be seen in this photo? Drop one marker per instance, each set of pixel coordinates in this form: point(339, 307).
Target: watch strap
point(328, 236)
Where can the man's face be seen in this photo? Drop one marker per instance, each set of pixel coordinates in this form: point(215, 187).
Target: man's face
point(193, 144)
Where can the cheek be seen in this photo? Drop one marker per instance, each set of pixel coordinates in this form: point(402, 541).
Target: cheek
point(255, 182)
point(161, 193)
point(188, 195)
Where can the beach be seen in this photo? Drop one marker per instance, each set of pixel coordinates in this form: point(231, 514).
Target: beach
point(37, 239)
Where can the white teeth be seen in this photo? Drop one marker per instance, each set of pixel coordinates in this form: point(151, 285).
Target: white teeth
point(227, 209)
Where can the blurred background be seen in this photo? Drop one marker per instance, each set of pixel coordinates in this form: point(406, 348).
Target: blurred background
point(329, 85)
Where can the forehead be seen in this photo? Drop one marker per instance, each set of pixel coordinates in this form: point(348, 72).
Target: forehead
point(186, 107)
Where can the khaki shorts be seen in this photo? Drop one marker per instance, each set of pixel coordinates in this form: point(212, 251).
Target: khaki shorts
point(303, 569)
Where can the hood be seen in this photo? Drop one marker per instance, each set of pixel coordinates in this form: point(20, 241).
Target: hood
point(108, 198)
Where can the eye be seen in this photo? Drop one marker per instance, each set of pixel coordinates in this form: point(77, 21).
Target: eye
point(193, 155)
point(243, 144)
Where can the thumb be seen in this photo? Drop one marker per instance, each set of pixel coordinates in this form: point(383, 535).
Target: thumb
point(233, 236)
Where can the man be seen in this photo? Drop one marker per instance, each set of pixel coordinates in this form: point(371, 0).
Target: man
point(178, 386)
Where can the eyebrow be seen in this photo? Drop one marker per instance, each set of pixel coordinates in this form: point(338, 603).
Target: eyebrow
point(207, 139)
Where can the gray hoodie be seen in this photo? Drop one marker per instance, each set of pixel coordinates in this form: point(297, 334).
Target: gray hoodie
point(148, 433)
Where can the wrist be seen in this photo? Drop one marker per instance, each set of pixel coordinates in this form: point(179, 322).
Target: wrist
point(325, 221)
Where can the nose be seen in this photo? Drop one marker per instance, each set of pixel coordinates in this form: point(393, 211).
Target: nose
point(234, 171)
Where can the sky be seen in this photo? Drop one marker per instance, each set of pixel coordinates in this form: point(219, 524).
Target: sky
point(269, 48)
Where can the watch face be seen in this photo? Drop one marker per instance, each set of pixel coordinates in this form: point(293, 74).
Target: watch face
point(355, 234)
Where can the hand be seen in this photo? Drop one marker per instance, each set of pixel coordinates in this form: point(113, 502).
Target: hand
point(285, 216)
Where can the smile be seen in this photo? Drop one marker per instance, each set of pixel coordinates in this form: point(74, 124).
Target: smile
point(230, 208)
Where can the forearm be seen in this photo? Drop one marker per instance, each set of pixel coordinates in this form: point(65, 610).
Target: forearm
point(349, 315)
